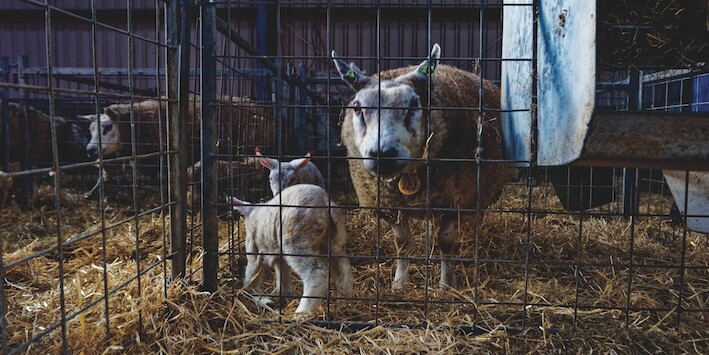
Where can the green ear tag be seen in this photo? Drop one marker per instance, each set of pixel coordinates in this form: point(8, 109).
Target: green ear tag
point(350, 76)
point(427, 69)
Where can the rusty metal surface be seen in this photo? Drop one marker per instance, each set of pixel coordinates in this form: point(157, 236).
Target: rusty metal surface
point(648, 139)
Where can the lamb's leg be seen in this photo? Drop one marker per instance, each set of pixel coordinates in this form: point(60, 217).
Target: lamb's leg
point(283, 281)
point(254, 276)
point(447, 242)
point(102, 176)
point(313, 271)
point(342, 276)
point(403, 236)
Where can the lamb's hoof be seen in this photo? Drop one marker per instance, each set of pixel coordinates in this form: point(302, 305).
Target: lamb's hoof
point(447, 285)
point(398, 286)
point(448, 282)
point(265, 300)
point(305, 316)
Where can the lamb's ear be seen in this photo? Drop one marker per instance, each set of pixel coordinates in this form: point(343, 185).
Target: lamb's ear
point(86, 118)
point(350, 73)
point(300, 162)
point(243, 207)
point(266, 162)
point(427, 67)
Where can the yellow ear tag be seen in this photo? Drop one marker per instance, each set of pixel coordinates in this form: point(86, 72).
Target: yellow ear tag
point(409, 183)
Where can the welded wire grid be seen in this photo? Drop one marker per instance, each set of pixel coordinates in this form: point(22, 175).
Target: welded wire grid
point(267, 81)
point(381, 36)
point(87, 55)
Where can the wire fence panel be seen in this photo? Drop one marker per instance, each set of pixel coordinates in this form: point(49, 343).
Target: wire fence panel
point(560, 247)
point(148, 150)
point(85, 208)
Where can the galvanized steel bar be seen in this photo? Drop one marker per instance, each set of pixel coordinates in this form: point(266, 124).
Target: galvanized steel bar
point(5, 139)
point(177, 22)
point(209, 181)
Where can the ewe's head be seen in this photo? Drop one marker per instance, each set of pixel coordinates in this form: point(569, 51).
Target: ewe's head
point(388, 121)
point(105, 135)
point(282, 174)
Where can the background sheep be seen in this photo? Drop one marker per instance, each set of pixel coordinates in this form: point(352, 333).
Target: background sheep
point(250, 124)
point(70, 138)
point(6, 182)
point(246, 177)
point(309, 227)
point(400, 142)
point(296, 171)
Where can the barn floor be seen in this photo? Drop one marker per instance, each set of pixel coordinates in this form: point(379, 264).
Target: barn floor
point(145, 316)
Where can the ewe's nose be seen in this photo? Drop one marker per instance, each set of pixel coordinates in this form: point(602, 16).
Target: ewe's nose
point(92, 151)
point(387, 164)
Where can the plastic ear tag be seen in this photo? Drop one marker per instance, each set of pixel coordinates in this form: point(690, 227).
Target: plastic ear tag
point(350, 76)
point(409, 183)
point(428, 68)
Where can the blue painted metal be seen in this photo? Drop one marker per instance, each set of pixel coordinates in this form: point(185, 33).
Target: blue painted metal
point(516, 85)
point(566, 78)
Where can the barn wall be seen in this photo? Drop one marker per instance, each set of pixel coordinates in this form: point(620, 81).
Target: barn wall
point(401, 39)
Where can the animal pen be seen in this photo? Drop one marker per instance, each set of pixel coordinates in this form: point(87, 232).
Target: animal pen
point(597, 243)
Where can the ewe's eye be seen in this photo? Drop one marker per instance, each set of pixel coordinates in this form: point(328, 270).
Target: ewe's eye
point(413, 106)
point(357, 108)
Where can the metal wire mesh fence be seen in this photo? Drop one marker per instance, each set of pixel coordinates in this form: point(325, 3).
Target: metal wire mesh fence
point(129, 127)
point(84, 231)
point(589, 231)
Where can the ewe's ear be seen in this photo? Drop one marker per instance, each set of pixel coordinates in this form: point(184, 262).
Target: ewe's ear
point(427, 67)
point(117, 110)
point(350, 73)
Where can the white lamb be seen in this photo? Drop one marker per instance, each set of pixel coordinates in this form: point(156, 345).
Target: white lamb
point(307, 231)
point(296, 171)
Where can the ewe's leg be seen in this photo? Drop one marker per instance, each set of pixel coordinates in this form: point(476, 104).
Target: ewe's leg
point(403, 236)
point(342, 276)
point(447, 241)
point(313, 272)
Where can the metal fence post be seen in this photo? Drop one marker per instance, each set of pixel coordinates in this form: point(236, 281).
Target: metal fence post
point(5, 139)
point(208, 77)
point(630, 195)
point(177, 22)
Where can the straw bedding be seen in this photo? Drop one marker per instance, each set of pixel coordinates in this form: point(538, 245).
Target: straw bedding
point(178, 318)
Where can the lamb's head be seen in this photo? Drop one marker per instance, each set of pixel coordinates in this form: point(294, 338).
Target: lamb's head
point(389, 123)
point(282, 174)
point(104, 134)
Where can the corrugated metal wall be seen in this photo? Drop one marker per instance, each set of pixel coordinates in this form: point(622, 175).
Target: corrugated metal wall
point(401, 38)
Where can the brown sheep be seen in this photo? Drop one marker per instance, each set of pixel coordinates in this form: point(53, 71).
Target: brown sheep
point(246, 177)
point(6, 182)
point(252, 124)
point(396, 142)
point(39, 150)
